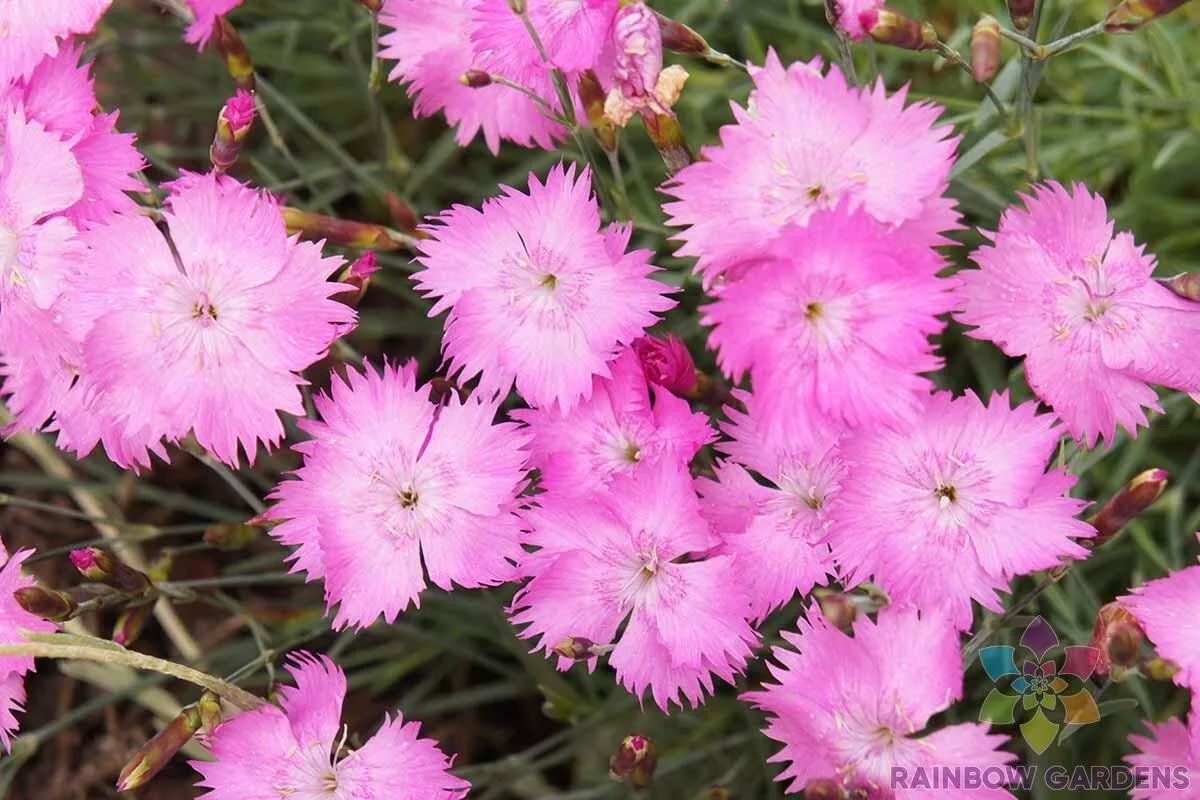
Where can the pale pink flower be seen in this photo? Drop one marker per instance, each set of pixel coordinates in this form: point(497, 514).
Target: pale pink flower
point(849, 16)
point(221, 326)
point(1166, 609)
point(14, 623)
point(830, 312)
point(851, 709)
point(298, 750)
point(430, 41)
point(539, 293)
point(618, 430)
point(951, 506)
point(207, 11)
point(619, 555)
point(390, 480)
point(631, 67)
point(1057, 287)
point(807, 142)
point(33, 30)
point(572, 31)
point(775, 533)
point(667, 363)
point(1167, 760)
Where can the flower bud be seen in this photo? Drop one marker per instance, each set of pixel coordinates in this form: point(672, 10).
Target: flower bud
point(46, 603)
point(1133, 14)
point(578, 648)
point(232, 535)
point(351, 233)
point(634, 761)
point(374, 6)
point(101, 567)
point(209, 708)
point(1021, 13)
point(233, 53)
point(1160, 669)
point(1118, 638)
point(131, 623)
point(1185, 284)
point(837, 607)
point(890, 27)
point(1133, 498)
point(233, 125)
point(357, 275)
point(985, 49)
point(679, 38)
point(667, 363)
point(475, 78)
point(823, 789)
point(592, 96)
point(402, 214)
point(149, 760)
point(668, 137)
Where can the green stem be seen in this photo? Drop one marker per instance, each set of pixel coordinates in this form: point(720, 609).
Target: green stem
point(976, 642)
point(950, 54)
point(1068, 42)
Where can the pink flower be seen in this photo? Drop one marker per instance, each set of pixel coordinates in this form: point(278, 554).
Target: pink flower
point(298, 750)
point(631, 67)
point(220, 327)
point(431, 43)
point(14, 623)
point(616, 431)
point(949, 507)
point(1170, 748)
point(207, 11)
point(391, 480)
point(1057, 287)
point(828, 314)
point(809, 141)
point(850, 710)
point(573, 33)
point(776, 533)
point(849, 14)
point(619, 555)
point(1166, 609)
point(33, 29)
point(667, 363)
point(539, 294)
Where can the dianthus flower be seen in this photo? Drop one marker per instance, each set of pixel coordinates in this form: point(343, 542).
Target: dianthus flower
point(631, 67)
point(431, 43)
point(851, 709)
point(34, 29)
point(14, 622)
point(949, 507)
point(207, 11)
point(808, 141)
point(1057, 287)
point(623, 554)
point(828, 314)
point(539, 294)
point(573, 33)
point(390, 480)
point(1166, 610)
point(1170, 748)
point(775, 534)
point(221, 325)
point(616, 431)
point(298, 750)
point(667, 363)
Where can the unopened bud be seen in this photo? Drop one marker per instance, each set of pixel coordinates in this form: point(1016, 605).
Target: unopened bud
point(1133, 498)
point(667, 363)
point(823, 789)
point(351, 233)
point(233, 125)
point(155, 754)
point(578, 648)
point(1117, 637)
point(374, 6)
point(634, 761)
point(234, 54)
point(475, 78)
point(357, 275)
point(1185, 284)
point(592, 96)
point(679, 38)
point(985, 49)
point(1160, 669)
point(1021, 13)
point(837, 607)
point(890, 27)
point(1133, 14)
point(101, 567)
point(131, 623)
point(402, 214)
point(46, 603)
point(668, 137)
point(232, 535)
point(209, 708)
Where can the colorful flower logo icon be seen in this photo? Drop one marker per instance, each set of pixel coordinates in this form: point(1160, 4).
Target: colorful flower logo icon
point(1042, 696)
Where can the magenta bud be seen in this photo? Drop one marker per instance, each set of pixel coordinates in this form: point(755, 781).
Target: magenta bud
point(475, 78)
point(634, 761)
point(131, 623)
point(46, 603)
point(985, 49)
point(1021, 13)
point(890, 27)
point(155, 754)
point(1133, 498)
point(1133, 14)
point(233, 125)
point(101, 567)
point(667, 363)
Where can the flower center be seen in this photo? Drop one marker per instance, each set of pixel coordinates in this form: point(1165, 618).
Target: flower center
point(632, 453)
point(204, 310)
point(408, 497)
point(813, 311)
point(1095, 309)
point(946, 495)
point(549, 281)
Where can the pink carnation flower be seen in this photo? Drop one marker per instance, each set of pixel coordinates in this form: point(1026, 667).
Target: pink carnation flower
point(849, 710)
point(539, 293)
point(221, 326)
point(14, 623)
point(207, 11)
point(828, 314)
point(775, 533)
point(1057, 287)
point(1166, 609)
point(1170, 747)
point(619, 555)
point(631, 67)
point(573, 33)
point(616, 431)
point(391, 480)
point(809, 141)
point(431, 43)
point(667, 363)
point(33, 30)
point(298, 750)
point(949, 507)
